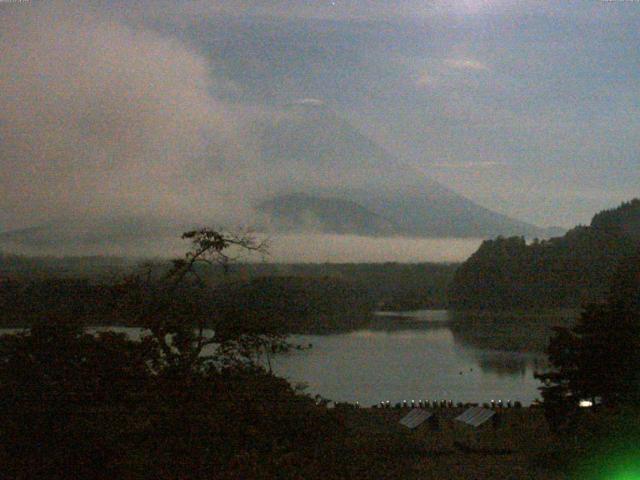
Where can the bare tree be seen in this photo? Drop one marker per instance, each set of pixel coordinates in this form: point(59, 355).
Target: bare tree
point(176, 307)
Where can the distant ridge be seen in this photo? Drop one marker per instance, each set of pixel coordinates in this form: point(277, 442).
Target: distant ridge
point(92, 231)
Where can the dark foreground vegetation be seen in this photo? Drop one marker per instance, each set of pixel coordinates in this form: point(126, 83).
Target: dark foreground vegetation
point(104, 407)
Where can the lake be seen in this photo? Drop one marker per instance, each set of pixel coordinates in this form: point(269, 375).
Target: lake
point(411, 356)
point(428, 354)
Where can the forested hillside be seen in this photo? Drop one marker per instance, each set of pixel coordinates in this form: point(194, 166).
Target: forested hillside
point(567, 271)
point(300, 297)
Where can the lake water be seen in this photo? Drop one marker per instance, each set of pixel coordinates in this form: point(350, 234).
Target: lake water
point(430, 355)
point(409, 357)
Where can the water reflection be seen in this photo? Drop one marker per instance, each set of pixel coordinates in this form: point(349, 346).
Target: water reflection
point(436, 356)
point(508, 331)
point(391, 323)
point(504, 364)
point(506, 343)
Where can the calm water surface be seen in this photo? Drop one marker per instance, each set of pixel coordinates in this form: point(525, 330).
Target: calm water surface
point(409, 357)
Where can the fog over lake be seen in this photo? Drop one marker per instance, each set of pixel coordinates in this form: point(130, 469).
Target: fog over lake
point(283, 248)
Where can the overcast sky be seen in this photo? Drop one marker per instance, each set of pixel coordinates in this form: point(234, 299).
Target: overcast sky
point(529, 108)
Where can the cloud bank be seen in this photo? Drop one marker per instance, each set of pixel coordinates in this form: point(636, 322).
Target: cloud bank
point(99, 117)
point(283, 248)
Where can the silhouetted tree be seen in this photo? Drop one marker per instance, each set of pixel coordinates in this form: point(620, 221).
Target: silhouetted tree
point(599, 358)
point(178, 308)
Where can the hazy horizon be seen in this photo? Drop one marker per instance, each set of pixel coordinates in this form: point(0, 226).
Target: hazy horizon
point(282, 248)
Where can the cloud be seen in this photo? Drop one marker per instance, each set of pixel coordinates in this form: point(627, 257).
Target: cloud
point(440, 72)
point(469, 165)
point(349, 10)
point(287, 248)
point(285, 9)
point(466, 64)
point(97, 117)
point(310, 102)
point(353, 248)
point(98, 111)
point(424, 80)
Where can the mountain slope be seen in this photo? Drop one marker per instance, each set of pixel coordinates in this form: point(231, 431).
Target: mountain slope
point(301, 212)
point(340, 163)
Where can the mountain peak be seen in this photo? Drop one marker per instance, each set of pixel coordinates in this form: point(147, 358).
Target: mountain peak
point(316, 140)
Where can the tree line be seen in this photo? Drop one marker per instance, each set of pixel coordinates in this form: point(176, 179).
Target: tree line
point(567, 271)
